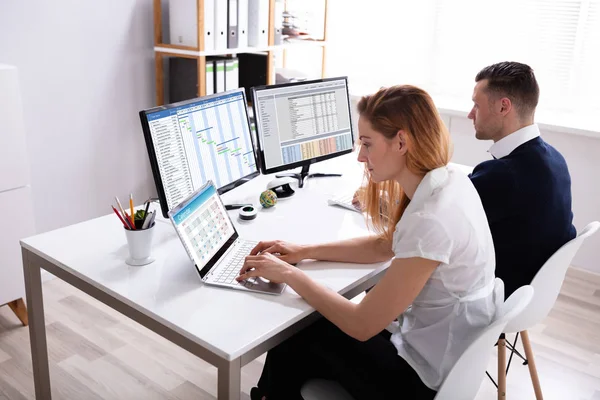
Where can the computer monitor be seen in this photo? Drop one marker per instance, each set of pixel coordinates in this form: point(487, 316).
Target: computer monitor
point(301, 123)
point(194, 141)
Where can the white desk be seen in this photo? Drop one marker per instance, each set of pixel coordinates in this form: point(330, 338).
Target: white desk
point(227, 328)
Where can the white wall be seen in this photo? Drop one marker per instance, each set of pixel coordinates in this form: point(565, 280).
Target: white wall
point(583, 158)
point(86, 68)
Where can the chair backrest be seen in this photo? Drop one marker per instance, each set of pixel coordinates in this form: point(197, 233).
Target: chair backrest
point(548, 281)
point(464, 379)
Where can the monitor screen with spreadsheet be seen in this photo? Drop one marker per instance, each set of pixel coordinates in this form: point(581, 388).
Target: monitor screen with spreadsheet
point(300, 123)
point(204, 227)
point(194, 141)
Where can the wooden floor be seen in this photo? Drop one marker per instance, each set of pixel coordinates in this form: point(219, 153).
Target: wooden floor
point(95, 353)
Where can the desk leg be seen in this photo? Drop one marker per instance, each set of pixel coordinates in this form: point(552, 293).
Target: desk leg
point(229, 381)
point(37, 328)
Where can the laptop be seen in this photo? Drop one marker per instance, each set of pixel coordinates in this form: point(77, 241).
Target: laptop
point(212, 242)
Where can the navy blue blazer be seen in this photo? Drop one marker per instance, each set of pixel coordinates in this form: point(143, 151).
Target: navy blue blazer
point(527, 199)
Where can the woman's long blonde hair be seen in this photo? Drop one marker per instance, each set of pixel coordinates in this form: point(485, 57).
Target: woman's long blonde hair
point(412, 110)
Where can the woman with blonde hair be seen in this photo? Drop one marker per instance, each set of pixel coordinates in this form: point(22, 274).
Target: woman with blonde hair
point(439, 284)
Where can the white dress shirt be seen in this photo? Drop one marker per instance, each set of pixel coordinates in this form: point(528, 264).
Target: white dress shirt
point(507, 144)
point(445, 222)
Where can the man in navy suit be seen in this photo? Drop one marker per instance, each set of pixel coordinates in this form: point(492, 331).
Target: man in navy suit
point(526, 188)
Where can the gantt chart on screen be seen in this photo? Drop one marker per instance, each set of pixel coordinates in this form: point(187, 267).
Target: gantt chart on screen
point(208, 139)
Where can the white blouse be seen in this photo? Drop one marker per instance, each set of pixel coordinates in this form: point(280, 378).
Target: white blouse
point(445, 222)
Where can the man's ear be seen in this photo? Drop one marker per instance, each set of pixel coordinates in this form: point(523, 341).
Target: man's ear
point(505, 105)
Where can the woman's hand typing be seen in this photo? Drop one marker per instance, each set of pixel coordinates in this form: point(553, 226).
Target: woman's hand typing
point(288, 252)
point(267, 266)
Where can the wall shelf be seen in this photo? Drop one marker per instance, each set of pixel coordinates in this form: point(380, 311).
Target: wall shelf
point(162, 50)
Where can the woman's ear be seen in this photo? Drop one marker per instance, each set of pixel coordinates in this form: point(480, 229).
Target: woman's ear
point(401, 141)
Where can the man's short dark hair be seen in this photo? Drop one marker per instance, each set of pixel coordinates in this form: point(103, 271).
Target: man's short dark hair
point(515, 81)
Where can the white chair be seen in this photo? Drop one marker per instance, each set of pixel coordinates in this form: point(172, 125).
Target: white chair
point(547, 283)
point(464, 379)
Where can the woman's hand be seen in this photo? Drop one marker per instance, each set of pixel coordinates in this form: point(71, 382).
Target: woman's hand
point(267, 266)
point(288, 252)
point(356, 200)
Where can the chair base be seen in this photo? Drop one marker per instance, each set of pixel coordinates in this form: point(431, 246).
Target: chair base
point(527, 360)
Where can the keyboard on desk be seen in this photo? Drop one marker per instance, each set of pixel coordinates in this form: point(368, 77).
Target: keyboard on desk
point(343, 200)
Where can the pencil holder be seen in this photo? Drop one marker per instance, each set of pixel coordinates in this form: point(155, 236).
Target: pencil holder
point(139, 243)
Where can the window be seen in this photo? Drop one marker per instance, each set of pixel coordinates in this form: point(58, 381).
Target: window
point(442, 44)
point(379, 42)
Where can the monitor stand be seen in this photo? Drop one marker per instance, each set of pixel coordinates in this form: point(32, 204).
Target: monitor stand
point(304, 174)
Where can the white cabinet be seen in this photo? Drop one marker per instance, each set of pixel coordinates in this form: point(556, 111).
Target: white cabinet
point(15, 193)
point(17, 223)
point(14, 167)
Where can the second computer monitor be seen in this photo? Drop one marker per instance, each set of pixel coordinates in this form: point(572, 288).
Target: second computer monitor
point(301, 123)
point(194, 141)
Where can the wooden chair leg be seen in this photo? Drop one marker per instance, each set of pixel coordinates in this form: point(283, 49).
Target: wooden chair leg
point(531, 363)
point(20, 310)
point(501, 369)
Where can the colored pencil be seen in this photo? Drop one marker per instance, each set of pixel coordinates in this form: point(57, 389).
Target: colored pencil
point(121, 218)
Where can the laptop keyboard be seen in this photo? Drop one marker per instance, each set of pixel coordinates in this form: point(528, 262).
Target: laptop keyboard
point(231, 270)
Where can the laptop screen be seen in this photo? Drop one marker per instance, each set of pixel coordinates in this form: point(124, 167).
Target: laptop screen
point(204, 227)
